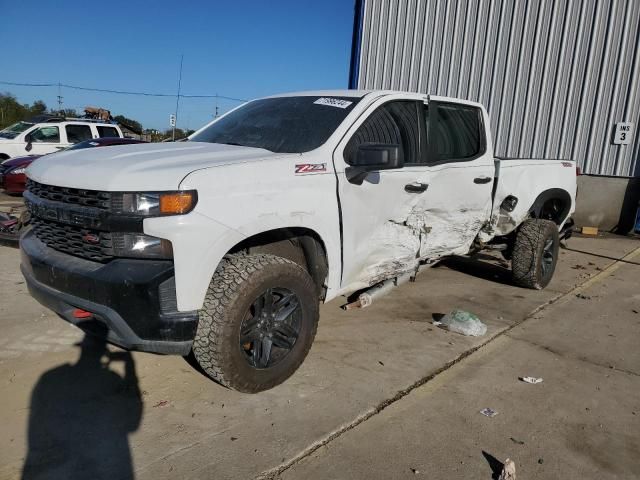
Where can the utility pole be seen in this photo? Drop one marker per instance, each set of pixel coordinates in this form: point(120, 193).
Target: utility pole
point(177, 99)
point(60, 97)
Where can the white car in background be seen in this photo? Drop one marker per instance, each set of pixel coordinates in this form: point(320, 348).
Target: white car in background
point(27, 138)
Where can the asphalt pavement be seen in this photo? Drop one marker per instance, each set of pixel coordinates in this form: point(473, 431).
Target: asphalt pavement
point(383, 394)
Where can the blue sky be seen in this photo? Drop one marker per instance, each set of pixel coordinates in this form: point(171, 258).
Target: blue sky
point(239, 48)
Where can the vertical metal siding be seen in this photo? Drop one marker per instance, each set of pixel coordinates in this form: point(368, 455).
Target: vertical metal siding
point(555, 75)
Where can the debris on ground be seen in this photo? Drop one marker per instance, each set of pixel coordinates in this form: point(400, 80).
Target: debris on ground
point(508, 471)
point(466, 323)
point(414, 471)
point(516, 441)
point(582, 296)
point(579, 267)
point(161, 403)
point(532, 380)
point(589, 230)
point(488, 412)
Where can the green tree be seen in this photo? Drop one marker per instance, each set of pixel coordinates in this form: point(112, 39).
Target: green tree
point(38, 108)
point(133, 124)
point(11, 111)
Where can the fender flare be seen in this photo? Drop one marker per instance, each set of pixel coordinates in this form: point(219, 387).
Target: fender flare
point(553, 193)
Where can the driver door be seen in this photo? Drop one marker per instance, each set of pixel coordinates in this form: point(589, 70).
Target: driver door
point(45, 139)
point(381, 234)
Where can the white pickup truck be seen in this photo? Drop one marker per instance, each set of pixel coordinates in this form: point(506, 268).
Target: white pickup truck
point(224, 245)
point(28, 138)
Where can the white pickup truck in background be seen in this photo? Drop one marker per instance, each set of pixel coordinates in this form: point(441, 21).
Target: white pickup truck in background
point(28, 138)
point(224, 245)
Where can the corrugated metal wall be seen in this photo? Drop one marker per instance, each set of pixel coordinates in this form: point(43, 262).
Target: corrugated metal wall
point(555, 75)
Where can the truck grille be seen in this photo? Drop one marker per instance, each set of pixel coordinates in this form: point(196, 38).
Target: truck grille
point(80, 242)
point(71, 196)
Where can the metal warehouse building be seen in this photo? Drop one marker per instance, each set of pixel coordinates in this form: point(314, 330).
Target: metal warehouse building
point(560, 78)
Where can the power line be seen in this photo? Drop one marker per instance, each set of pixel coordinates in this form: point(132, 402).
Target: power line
point(120, 92)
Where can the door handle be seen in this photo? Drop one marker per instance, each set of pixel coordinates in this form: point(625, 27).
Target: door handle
point(482, 180)
point(416, 187)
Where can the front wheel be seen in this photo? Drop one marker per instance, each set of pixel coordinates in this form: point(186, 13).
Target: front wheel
point(257, 323)
point(535, 253)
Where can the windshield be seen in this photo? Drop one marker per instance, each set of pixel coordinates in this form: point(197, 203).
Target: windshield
point(282, 125)
point(14, 130)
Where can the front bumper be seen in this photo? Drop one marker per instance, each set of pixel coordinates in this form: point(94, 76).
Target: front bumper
point(135, 299)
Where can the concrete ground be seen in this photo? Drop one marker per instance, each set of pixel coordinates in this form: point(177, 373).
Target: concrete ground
point(383, 393)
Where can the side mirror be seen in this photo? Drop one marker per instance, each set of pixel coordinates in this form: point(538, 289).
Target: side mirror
point(28, 139)
point(371, 157)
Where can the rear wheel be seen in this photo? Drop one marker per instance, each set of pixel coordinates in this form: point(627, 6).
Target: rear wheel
point(535, 253)
point(258, 322)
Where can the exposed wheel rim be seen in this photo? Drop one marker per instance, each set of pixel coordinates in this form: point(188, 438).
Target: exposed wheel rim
point(547, 260)
point(270, 327)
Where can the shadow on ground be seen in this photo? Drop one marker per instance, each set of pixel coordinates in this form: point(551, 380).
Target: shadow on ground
point(81, 416)
point(481, 266)
point(494, 464)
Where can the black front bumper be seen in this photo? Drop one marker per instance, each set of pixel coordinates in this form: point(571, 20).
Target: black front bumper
point(135, 299)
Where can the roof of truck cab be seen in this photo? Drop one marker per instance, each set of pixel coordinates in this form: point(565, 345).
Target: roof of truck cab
point(324, 93)
point(345, 93)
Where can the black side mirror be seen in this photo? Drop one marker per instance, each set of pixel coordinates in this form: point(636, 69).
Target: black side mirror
point(28, 139)
point(371, 157)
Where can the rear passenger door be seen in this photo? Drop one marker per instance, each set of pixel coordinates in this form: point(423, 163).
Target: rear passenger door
point(461, 168)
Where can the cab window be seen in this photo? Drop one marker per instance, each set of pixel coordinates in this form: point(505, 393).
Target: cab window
point(455, 132)
point(47, 134)
point(394, 123)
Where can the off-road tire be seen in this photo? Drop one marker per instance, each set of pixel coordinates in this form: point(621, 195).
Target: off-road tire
point(526, 263)
point(238, 280)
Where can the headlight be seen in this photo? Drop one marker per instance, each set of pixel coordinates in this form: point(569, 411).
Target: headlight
point(154, 204)
point(137, 245)
point(17, 171)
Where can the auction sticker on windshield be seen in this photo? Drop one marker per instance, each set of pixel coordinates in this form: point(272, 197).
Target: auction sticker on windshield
point(333, 102)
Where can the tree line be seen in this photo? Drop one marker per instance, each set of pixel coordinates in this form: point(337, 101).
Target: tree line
point(12, 111)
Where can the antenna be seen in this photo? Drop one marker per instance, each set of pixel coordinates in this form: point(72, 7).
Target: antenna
point(177, 99)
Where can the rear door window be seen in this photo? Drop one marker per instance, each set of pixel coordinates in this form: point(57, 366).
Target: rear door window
point(107, 132)
point(78, 133)
point(455, 132)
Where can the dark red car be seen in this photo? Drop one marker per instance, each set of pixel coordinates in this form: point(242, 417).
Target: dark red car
point(13, 178)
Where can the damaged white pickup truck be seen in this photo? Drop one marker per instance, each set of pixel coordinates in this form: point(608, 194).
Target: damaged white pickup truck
point(224, 245)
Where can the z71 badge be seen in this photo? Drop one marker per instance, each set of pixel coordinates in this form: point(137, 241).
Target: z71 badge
point(311, 167)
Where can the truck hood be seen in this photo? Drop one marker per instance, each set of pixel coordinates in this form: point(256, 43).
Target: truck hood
point(153, 166)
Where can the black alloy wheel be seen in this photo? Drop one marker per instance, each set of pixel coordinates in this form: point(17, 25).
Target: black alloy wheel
point(271, 327)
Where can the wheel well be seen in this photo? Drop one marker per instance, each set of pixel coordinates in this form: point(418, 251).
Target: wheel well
point(553, 204)
point(300, 245)
point(4, 156)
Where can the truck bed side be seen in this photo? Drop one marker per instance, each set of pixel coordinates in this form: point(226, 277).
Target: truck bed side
point(533, 183)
